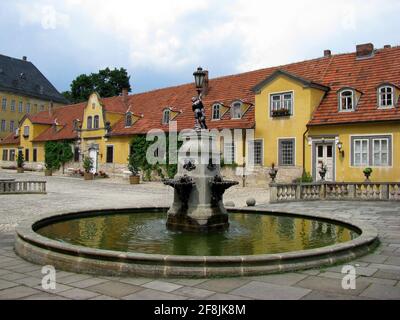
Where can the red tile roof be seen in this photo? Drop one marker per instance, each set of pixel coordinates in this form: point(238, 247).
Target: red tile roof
point(365, 76)
point(10, 139)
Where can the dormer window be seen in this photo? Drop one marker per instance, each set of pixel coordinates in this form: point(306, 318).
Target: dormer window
point(386, 97)
point(281, 105)
point(96, 122)
point(237, 110)
point(90, 123)
point(26, 131)
point(347, 102)
point(216, 112)
point(128, 120)
point(166, 116)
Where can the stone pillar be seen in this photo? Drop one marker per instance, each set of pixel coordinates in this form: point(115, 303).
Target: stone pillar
point(384, 191)
point(273, 193)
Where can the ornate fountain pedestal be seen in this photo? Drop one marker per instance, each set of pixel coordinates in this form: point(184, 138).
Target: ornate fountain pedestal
point(199, 188)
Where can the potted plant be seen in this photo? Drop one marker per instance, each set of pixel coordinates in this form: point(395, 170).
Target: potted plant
point(134, 178)
point(20, 162)
point(367, 173)
point(322, 171)
point(88, 167)
point(273, 173)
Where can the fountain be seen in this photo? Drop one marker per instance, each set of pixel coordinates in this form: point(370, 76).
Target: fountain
point(196, 237)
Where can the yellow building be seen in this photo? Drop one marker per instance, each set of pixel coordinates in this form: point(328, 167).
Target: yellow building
point(23, 90)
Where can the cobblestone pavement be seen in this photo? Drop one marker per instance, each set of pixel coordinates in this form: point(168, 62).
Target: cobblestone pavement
point(378, 274)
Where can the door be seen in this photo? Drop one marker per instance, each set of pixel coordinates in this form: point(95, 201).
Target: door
point(93, 156)
point(324, 155)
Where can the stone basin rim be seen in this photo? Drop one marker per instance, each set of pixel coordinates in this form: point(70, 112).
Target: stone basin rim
point(25, 232)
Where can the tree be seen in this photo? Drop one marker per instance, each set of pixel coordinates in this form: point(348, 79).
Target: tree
point(66, 154)
point(107, 83)
point(57, 154)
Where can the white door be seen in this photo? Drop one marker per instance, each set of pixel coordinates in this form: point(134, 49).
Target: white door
point(324, 155)
point(93, 156)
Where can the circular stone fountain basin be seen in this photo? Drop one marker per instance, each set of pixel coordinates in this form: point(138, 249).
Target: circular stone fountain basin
point(137, 242)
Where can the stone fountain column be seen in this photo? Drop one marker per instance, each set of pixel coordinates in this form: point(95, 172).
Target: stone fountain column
point(198, 202)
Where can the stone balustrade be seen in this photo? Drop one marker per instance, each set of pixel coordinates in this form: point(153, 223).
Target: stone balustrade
point(367, 191)
point(22, 187)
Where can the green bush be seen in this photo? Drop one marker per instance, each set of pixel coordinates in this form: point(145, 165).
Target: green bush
point(57, 154)
point(20, 160)
point(87, 164)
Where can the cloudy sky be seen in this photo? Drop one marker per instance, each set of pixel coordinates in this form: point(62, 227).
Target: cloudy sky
point(161, 42)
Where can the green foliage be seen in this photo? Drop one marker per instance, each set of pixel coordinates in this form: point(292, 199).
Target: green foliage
point(367, 171)
point(107, 83)
point(307, 177)
point(133, 166)
point(20, 160)
point(87, 164)
point(57, 154)
point(233, 165)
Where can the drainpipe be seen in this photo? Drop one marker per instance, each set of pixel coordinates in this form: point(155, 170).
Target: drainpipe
point(304, 150)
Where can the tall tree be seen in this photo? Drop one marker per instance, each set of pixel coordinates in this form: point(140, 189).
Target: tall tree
point(107, 83)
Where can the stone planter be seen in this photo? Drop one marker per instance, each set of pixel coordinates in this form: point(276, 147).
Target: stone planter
point(134, 179)
point(88, 176)
point(48, 173)
point(20, 170)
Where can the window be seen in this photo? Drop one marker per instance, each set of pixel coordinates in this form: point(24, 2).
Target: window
point(27, 155)
point(76, 154)
point(12, 155)
point(20, 107)
point(286, 152)
point(374, 151)
point(28, 108)
point(256, 152)
point(4, 104)
point(12, 106)
point(386, 97)
point(380, 152)
point(89, 123)
point(42, 107)
point(26, 131)
point(361, 147)
point(3, 125)
point(110, 154)
point(166, 116)
point(96, 122)
point(216, 112)
point(347, 100)
point(34, 156)
point(5, 155)
point(237, 110)
point(229, 153)
point(128, 120)
point(35, 108)
point(281, 104)
point(12, 126)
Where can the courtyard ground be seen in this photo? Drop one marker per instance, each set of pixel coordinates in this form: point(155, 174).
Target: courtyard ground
point(378, 274)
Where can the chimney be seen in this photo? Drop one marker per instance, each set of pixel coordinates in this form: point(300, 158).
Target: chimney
point(24, 58)
point(365, 51)
point(387, 46)
point(51, 106)
point(124, 95)
point(327, 53)
point(206, 83)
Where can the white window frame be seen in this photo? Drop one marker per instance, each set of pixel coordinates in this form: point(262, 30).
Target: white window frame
point(236, 104)
point(381, 94)
point(96, 122)
point(361, 164)
point(164, 118)
point(20, 107)
point(89, 124)
point(4, 104)
point(282, 103)
point(279, 158)
point(353, 100)
point(3, 125)
point(380, 152)
point(128, 114)
point(26, 131)
point(215, 107)
point(12, 106)
point(12, 125)
point(231, 148)
point(251, 152)
point(28, 108)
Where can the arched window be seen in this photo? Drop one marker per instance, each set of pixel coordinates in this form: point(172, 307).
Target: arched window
point(237, 110)
point(128, 120)
point(96, 124)
point(166, 116)
point(386, 97)
point(347, 100)
point(90, 122)
point(216, 112)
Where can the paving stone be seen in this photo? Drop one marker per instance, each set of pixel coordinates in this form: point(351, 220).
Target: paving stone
point(393, 261)
point(29, 281)
point(78, 294)
point(387, 282)
point(135, 281)
point(190, 282)
point(44, 296)
point(162, 286)
point(223, 285)
point(3, 272)
point(267, 291)
point(103, 298)
point(321, 295)
point(331, 275)
point(287, 279)
point(13, 276)
point(382, 292)
point(387, 274)
point(194, 292)
point(26, 269)
point(7, 284)
point(331, 285)
point(226, 297)
point(374, 258)
point(59, 288)
point(87, 283)
point(114, 289)
point(17, 293)
point(73, 278)
point(386, 267)
point(149, 294)
point(312, 272)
